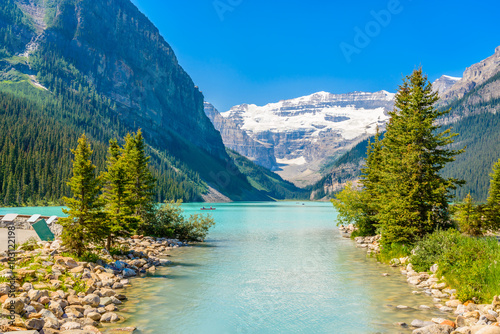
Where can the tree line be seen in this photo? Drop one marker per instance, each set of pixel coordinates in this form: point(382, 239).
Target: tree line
point(36, 135)
point(121, 200)
point(402, 193)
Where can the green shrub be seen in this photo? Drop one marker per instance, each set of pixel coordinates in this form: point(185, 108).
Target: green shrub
point(471, 266)
point(469, 217)
point(119, 250)
point(169, 222)
point(30, 244)
point(431, 249)
point(194, 229)
point(389, 252)
point(353, 206)
point(468, 264)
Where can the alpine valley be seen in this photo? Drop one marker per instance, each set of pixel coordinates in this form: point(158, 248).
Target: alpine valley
point(59, 78)
point(319, 141)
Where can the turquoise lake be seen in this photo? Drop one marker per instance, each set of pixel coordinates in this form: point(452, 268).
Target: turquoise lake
point(270, 268)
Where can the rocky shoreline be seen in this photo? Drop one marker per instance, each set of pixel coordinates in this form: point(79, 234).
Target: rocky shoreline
point(468, 317)
point(62, 295)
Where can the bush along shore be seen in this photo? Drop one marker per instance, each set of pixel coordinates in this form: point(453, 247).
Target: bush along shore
point(476, 315)
point(448, 251)
point(57, 293)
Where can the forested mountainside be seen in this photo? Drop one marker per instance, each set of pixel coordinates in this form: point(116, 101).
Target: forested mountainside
point(68, 67)
point(266, 181)
point(474, 116)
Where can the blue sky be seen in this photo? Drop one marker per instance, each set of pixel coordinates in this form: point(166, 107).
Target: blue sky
point(255, 51)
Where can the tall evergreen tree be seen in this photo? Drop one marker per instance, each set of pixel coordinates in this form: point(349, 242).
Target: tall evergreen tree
point(120, 219)
point(142, 182)
point(371, 179)
point(493, 202)
point(469, 217)
point(414, 196)
point(84, 221)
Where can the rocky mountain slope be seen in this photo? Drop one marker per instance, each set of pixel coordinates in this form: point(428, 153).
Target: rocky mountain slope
point(473, 77)
point(303, 132)
point(239, 141)
point(475, 115)
point(107, 71)
point(443, 84)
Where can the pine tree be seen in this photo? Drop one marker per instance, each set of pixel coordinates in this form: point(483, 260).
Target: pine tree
point(414, 196)
point(84, 222)
point(371, 179)
point(142, 182)
point(120, 219)
point(469, 217)
point(493, 201)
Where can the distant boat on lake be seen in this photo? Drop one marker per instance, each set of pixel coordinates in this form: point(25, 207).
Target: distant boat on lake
point(210, 208)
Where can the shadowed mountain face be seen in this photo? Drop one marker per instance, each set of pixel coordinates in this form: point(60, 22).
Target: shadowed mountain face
point(109, 54)
point(123, 55)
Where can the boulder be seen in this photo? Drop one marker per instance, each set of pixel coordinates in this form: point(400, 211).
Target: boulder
point(92, 300)
point(434, 329)
point(109, 317)
point(128, 272)
point(51, 323)
point(71, 325)
point(35, 324)
point(420, 323)
point(91, 329)
point(16, 303)
point(105, 301)
point(488, 330)
point(94, 316)
point(74, 300)
point(56, 309)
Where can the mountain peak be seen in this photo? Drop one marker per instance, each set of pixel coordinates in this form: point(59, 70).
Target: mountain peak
point(444, 83)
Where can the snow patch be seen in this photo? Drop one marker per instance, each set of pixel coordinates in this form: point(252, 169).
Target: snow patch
point(297, 161)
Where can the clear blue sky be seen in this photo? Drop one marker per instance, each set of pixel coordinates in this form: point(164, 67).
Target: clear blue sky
point(256, 51)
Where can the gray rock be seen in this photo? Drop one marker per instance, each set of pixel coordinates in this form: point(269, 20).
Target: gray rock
point(105, 301)
point(36, 324)
point(128, 272)
point(52, 323)
point(17, 304)
point(420, 323)
point(94, 316)
point(434, 329)
point(489, 330)
point(47, 314)
point(493, 313)
point(71, 325)
point(56, 309)
point(120, 265)
point(109, 317)
point(92, 300)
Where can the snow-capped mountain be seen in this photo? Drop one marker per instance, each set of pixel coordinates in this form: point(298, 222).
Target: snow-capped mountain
point(444, 83)
point(302, 132)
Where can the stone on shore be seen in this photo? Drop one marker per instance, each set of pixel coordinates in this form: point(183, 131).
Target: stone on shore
point(109, 317)
point(434, 329)
point(420, 323)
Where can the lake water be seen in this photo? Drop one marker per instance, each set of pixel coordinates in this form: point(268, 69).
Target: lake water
point(271, 268)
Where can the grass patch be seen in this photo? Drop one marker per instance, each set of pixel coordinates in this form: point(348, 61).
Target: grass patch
point(88, 256)
point(468, 264)
point(389, 252)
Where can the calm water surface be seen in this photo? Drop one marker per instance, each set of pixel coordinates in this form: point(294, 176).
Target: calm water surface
point(271, 268)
